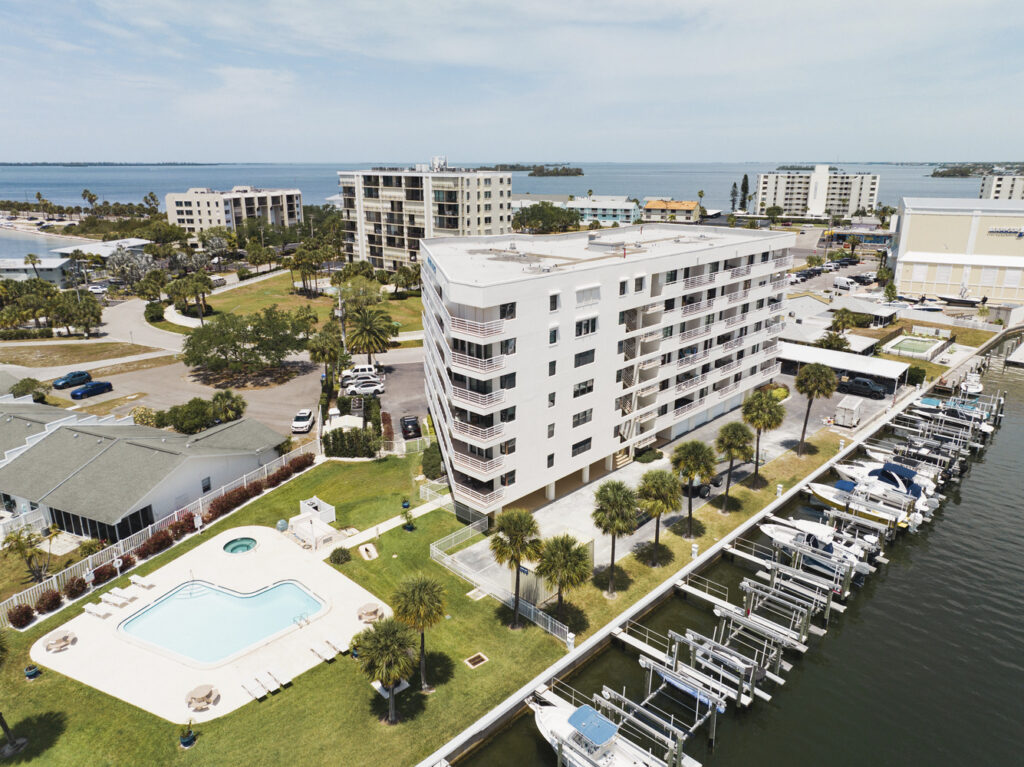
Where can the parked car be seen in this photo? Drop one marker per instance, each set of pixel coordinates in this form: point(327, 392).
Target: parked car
point(91, 389)
point(842, 283)
point(97, 289)
point(303, 422)
point(702, 489)
point(365, 389)
point(793, 279)
point(831, 266)
point(411, 427)
point(356, 370)
point(218, 282)
point(864, 279)
point(360, 380)
point(814, 271)
point(862, 387)
point(75, 378)
point(849, 261)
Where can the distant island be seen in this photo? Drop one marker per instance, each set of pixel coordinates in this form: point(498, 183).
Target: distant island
point(103, 164)
point(968, 169)
point(535, 170)
point(802, 167)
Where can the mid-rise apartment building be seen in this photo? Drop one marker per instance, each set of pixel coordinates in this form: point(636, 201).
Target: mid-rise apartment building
point(817, 193)
point(680, 211)
point(199, 209)
point(1002, 188)
point(552, 354)
point(606, 209)
point(964, 248)
point(389, 210)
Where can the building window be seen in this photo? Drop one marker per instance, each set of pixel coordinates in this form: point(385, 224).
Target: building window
point(581, 418)
point(506, 311)
point(551, 399)
point(206, 484)
point(507, 415)
point(553, 336)
point(553, 302)
point(671, 276)
point(581, 447)
point(551, 368)
point(551, 460)
point(623, 287)
point(508, 479)
point(588, 296)
point(584, 358)
point(638, 284)
point(507, 381)
point(586, 327)
point(508, 447)
point(584, 387)
point(551, 430)
point(508, 346)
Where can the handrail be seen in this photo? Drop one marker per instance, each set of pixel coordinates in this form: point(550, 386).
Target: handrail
point(484, 498)
point(477, 464)
point(490, 432)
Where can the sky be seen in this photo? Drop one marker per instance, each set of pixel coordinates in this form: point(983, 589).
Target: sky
point(530, 80)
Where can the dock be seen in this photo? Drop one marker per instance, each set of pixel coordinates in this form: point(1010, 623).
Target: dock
point(1015, 358)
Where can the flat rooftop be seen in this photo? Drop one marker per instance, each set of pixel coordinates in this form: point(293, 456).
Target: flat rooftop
point(495, 259)
point(962, 205)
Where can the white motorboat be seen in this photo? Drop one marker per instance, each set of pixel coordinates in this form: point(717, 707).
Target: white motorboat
point(967, 407)
point(847, 496)
point(868, 543)
point(788, 537)
point(900, 477)
point(971, 385)
point(587, 738)
point(953, 417)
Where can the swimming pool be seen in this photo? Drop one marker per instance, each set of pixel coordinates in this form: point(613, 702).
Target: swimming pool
point(207, 624)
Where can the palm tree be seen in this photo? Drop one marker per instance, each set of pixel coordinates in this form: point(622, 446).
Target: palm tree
point(693, 459)
point(842, 320)
point(813, 381)
point(564, 564)
point(853, 242)
point(199, 285)
point(834, 341)
point(659, 493)
point(734, 442)
point(372, 331)
point(227, 406)
point(700, 205)
point(323, 349)
point(385, 655)
point(762, 412)
point(419, 604)
point(33, 260)
point(516, 538)
point(614, 515)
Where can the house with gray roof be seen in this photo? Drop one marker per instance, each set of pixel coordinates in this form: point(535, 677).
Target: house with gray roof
point(106, 477)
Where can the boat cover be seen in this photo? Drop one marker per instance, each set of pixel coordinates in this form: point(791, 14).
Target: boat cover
point(592, 726)
point(845, 485)
point(900, 471)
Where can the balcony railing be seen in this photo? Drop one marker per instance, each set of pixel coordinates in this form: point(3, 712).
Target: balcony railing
point(457, 324)
point(735, 320)
point(688, 407)
point(692, 359)
point(738, 296)
point(686, 335)
point(481, 465)
point(485, 499)
point(647, 439)
point(739, 271)
point(728, 389)
point(649, 389)
point(691, 383)
point(478, 432)
point(733, 344)
point(728, 366)
point(698, 306)
point(783, 261)
point(476, 398)
point(699, 280)
point(478, 363)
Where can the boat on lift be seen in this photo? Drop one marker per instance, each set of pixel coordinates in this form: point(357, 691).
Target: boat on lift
point(586, 737)
point(849, 496)
point(900, 477)
point(972, 385)
point(868, 544)
point(968, 408)
point(787, 537)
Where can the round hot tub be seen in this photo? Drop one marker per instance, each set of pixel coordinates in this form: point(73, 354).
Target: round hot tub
point(240, 545)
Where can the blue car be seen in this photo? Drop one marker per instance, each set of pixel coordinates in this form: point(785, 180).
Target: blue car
point(76, 378)
point(91, 389)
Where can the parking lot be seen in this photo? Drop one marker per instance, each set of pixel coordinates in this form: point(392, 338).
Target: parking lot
point(825, 280)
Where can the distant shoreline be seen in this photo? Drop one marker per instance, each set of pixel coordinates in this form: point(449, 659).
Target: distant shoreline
point(111, 164)
point(19, 230)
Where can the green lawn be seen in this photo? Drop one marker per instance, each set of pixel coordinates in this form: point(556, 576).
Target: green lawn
point(171, 327)
point(363, 494)
point(330, 714)
point(52, 355)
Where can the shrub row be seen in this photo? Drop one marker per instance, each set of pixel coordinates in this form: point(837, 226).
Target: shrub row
point(433, 466)
point(354, 443)
point(21, 334)
point(232, 500)
point(48, 601)
point(297, 464)
point(156, 543)
point(646, 456)
point(386, 428)
point(154, 311)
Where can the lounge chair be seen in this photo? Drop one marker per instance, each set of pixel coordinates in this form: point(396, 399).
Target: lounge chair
point(117, 591)
point(279, 677)
point(337, 644)
point(61, 642)
point(99, 611)
point(113, 599)
point(269, 683)
point(254, 689)
point(323, 651)
point(138, 580)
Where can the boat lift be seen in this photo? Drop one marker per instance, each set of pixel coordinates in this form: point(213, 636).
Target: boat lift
point(800, 582)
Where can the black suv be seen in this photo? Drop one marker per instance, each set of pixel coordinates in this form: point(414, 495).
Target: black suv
point(411, 427)
point(863, 387)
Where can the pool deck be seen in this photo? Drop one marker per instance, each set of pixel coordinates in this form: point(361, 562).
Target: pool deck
point(156, 680)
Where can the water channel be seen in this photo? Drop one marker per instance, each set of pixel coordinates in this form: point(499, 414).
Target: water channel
point(925, 667)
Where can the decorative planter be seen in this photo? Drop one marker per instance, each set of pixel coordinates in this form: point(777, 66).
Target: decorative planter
point(409, 527)
point(187, 740)
point(31, 672)
point(405, 504)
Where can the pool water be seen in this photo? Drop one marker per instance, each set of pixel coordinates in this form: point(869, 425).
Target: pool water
point(914, 345)
point(239, 545)
point(207, 624)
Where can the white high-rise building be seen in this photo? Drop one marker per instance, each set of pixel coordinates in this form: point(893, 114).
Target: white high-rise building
point(817, 193)
point(1002, 188)
point(389, 210)
point(199, 208)
point(549, 355)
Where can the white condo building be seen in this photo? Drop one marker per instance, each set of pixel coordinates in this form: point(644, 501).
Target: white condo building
point(389, 210)
point(199, 209)
point(1002, 188)
point(548, 355)
point(816, 193)
point(606, 209)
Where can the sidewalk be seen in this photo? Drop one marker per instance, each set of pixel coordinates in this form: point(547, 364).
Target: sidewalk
point(368, 535)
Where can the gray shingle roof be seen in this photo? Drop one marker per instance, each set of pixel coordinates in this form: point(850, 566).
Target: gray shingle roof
point(20, 420)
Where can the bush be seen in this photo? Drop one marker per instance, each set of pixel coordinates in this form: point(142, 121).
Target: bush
point(23, 334)
point(90, 547)
point(181, 527)
point(20, 616)
point(243, 274)
point(156, 543)
point(102, 574)
point(354, 443)
point(301, 462)
point(780, 393)
point(340, 556)
point(127, 562)
point(433, 466)
point(233, 499)
point(75, 587)
point(386, 428)
point(916, 375)
point(647, 456)
point(48, 601)
point(275, 478)
point(154, 311)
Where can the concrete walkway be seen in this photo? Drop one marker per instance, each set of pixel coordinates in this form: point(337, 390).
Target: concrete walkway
point(368, 535)
point(126, 321)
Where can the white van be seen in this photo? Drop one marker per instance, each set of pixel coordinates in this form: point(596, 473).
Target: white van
point(842, 283)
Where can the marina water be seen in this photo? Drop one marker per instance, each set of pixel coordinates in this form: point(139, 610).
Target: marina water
point(926, 666)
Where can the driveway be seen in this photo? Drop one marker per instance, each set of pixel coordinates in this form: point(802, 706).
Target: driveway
point(404, 394)
point(126, 321)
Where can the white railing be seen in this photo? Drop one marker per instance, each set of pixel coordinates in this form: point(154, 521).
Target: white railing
point(739, 271)
point(698, 306)
point(781, 262)
point(701, 279)
point(36, 519)
point(691, 383)
point(693, 358)
point(735, 320)
point(483, 498)
point(484, 466)
point(737, 296)
point(683, 409)
point(477, 432)
point(476, 398)
point(468, 327)
point(686, 335)
point(58, 581)
point(477, 363)
point(431, 492)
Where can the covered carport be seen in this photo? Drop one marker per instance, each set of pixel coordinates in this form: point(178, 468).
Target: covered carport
point(889, 373)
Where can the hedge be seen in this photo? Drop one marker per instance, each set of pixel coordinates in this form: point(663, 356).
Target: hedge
point(75, 587)
point(21, 334)
point(154, 311)
point(647, 456)
point(433, 466)
point(354, 443)
point(48, 601)
point(156, 543)
point(102, 574)
point(20, 616)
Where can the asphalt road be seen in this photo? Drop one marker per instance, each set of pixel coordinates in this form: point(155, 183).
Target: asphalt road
point(404, 393)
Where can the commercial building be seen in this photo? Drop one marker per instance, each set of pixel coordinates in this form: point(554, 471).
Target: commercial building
point(105, 249)
point(547, 355)
point(820, 192)
point(963, 248)
point(1002, 188)
point(199, 209)
point(56, 271)
point(389, 210)
point(107, 478)
point(603, 208)
point(682, 211)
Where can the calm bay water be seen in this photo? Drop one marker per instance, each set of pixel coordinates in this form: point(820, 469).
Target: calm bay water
point(926, 667)
point(14, 244)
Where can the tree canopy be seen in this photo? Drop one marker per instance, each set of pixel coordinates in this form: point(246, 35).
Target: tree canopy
point(544, 218)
